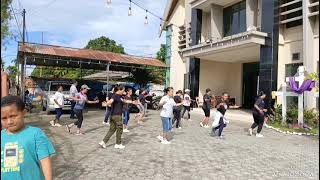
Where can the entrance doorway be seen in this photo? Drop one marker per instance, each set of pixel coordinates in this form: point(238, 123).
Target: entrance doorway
point(250, 84)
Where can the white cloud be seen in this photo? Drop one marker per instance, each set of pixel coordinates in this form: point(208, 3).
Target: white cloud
point(74, 22)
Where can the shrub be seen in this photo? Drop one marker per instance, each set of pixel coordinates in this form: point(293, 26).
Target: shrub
point(311, 116)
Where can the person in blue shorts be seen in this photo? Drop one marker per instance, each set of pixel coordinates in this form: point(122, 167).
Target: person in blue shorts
point(25, 150)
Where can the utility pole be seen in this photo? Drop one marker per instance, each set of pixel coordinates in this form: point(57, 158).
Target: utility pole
point(23, 63)
point(42, 43)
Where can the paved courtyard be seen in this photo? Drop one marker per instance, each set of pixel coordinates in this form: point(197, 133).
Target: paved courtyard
point(193, 153)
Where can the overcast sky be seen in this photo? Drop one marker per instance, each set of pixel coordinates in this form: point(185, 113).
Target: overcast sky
point(73, 23)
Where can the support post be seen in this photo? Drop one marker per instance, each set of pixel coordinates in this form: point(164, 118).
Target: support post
point(108, 70)
point(301, 70)
point(284, 103)
point(23, 63)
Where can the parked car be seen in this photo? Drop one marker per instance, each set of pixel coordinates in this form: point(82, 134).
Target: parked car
point(50, 88)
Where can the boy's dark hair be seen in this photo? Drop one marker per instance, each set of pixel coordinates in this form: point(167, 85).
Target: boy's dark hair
point(208, 90)
point(261, 93)
point(129, 89)
point(117, 88)
point(166, 90)
point(13, 100)
point(179, 92)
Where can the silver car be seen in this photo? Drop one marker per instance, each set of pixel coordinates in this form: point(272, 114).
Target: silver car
point(50, 89)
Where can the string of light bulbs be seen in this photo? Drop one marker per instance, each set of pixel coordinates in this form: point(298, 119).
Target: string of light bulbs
point(146, 21)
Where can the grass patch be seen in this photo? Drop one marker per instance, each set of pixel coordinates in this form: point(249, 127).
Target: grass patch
point(285, 128)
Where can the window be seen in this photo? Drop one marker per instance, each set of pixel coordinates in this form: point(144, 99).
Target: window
point(291, 69)
point(295, 56)
point(234, 19)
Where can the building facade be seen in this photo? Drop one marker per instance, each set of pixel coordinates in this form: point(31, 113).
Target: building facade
point(240, 46)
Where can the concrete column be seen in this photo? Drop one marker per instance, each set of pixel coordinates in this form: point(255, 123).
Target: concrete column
point(308, 54)
point(216, 21)
point(259, 10)
point(251, 13)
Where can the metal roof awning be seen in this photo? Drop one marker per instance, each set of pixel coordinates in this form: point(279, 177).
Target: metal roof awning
point(58, 56)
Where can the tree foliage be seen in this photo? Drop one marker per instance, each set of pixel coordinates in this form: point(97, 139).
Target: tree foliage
point(161, 54)
point(105, 44)
point(5, 17)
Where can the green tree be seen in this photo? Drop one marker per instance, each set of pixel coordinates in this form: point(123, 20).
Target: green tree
point(161, 54)
point(105, 44)
point(12, 72)
point(5, 17)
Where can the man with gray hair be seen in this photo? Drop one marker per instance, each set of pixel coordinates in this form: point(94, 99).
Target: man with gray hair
point(73, 92)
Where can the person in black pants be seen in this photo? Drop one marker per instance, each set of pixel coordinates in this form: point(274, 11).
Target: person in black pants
point(108, 109)
point(258, 114)
point(206, 108)
point(177, 109)
point(73, 92)
point(116, 121)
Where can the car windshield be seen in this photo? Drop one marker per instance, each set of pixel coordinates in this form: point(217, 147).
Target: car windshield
point(55, 86)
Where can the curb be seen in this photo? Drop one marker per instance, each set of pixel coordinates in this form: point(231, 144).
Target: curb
point(292, 133)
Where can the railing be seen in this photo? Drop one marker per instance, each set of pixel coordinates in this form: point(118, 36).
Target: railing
point(215, 41)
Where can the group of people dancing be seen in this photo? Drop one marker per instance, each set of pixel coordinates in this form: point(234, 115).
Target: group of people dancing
point(173, 108)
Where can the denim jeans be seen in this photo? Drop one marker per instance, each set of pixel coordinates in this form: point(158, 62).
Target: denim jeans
point(126, 117)
point(73, 103)
point(166, 124)
point(107, 114)
point(58, 113)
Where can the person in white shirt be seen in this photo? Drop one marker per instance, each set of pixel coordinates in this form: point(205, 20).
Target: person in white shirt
point(73, 92)
point(58, 99)
point(186, 103)
point(167, 103)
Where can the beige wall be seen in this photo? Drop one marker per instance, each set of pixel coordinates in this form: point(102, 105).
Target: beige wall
point(316, 43)
point(177, 66)
point(221, 77)
point(290, 41)
point(206, 26)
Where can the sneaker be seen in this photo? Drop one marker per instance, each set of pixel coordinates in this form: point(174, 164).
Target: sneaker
point(220, 137)
point(68, 129)
point(180, 127)
point(206, 126)
point(119, 146)
point(201, 125)
point(103, 145)
point(126, 130)
point(52, 123)
point(106, 123)
point(57, 125)
point(259, 135)
point(160, 138)
point(165, 142)
point(250, 131)
point(79, 133)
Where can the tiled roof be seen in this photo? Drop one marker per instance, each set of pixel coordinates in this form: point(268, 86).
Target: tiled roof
point(88, 54)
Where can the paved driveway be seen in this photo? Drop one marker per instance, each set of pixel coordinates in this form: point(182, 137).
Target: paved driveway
point(193, 154)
